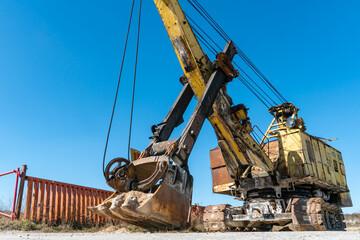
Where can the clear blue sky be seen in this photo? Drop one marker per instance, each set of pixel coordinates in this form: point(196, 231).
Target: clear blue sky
point(60, 61)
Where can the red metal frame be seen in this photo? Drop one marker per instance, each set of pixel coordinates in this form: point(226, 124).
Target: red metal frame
point(18, 174)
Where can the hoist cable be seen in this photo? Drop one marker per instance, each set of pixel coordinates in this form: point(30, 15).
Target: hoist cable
point(214, 51)
point(262, 76)
point(188, 17)
point(207, 20)
point(246, 83)
point(205, 42)
point(241, 78)
point(118, 84)
point(226, 37)
point(133, 90)
point(223, 34)
point(270, 99)
point(219, 49)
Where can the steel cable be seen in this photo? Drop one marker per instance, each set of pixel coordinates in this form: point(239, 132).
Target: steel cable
point(214, 51)
point(135, 70)
point(222, 33)
point(118, 84)
point(241, 78)
point(197, 6)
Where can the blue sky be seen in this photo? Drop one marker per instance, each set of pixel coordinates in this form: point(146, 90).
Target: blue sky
point(60, 61)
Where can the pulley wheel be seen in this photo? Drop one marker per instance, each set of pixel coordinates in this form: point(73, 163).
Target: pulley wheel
point(119, 174)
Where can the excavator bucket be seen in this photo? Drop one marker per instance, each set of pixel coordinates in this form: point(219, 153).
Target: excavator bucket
point(154, 194)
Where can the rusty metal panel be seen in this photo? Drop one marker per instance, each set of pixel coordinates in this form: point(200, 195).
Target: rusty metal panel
point(77, 204)
point(68, 204)
point(196, 214)
point(220, 176)
point(81, 207)
point(216, 158)
point(219, 172)
point(52, 203)
point(72, 204)
point(271, 149)
point(28, 200)
point(135, 154)
point(48, 201)
point(40, 209)
point(34, 201)
point(57, 203)
point(86, 206)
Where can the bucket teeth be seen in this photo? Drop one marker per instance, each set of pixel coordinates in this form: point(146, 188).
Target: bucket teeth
point(168, 207)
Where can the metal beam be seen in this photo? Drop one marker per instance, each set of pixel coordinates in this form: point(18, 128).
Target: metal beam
point(202, 110)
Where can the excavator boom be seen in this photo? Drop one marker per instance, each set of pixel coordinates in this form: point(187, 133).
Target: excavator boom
point(239, 147)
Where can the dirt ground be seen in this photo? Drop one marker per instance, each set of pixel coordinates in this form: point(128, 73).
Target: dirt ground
point(28, 230)
point(183, 236)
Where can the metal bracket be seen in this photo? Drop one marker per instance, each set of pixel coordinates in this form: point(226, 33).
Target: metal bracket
point(192, 129)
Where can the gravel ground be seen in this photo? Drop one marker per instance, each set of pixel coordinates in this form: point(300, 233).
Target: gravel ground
point(183, 236)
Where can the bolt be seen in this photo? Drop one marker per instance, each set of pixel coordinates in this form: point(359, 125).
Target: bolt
point(192, 133)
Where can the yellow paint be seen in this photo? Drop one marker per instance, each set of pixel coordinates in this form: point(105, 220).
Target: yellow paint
point(318, 161)
point(297, 146)
point(223, 187)
point(177, 26)
point(309, 168)
point(325, 161)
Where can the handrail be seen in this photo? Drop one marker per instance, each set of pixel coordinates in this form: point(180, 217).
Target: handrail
point(17, 173)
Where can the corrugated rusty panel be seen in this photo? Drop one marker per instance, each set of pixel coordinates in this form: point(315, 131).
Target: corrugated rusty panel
point(72, 205)
point(98, 201)
point(57, 203)
point(52, 203)
point(40, 210)
point(82, 209)
point(93, 203)
point(28, 200)
point(68, 204)
point(34, 201)
point(77, 205)
point(48, 201)
point(86, 206)
point(63, 203)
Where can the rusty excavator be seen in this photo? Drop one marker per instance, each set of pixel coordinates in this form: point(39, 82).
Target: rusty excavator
point(288, 177)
